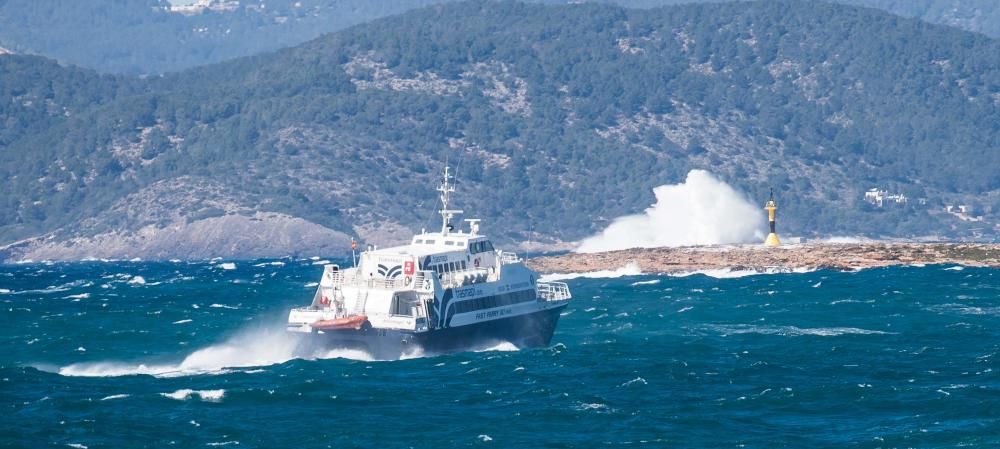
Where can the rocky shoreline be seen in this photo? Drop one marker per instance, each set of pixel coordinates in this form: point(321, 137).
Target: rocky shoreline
point(834, 256)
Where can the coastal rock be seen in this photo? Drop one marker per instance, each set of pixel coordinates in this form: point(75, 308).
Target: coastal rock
point(835, 256)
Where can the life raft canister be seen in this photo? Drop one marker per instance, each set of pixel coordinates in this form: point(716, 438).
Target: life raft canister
point(324, 300)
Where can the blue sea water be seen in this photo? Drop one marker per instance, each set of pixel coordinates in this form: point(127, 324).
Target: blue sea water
point(132, 354)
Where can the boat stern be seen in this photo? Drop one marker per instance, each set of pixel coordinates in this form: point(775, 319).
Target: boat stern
point(301, 319)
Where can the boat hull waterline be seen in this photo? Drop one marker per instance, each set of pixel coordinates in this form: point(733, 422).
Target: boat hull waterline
point(531, 330)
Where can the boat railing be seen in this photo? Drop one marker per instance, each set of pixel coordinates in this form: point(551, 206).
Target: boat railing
point(421, 280)
point(507, 257)
point(553, 291)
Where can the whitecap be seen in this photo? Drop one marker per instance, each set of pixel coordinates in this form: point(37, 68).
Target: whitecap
point(182, 321)
point(205, 395)
point(637, 380)
point(77, 445)
point(955, 268)
point(273, 264)
point(503, 346)
point(321, 262)
point(114, 396)
point(137, 280)
point(223, 443)
point(4, 291)
point(729, 273)
point(963, 309)
point(629, 269)
point(79, 296)
point(651, 282)
point(227, 266)
point(223, 306)
point(485, 438)
point(792, 331)
point(312, 284)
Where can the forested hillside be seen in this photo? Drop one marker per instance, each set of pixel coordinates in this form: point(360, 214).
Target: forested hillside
point(150, 37)
point(557, 119)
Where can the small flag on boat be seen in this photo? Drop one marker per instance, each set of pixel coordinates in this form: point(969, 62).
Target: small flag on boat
point(354, 245)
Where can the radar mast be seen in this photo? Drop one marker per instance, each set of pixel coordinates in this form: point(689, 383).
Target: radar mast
point(446, 188)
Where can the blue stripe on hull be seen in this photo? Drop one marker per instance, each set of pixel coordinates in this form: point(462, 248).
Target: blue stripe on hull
point(529, 330)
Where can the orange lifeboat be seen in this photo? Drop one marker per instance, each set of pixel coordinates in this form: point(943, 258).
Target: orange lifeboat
point(351, 322)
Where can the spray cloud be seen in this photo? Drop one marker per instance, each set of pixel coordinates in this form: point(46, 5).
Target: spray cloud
point(700, 211)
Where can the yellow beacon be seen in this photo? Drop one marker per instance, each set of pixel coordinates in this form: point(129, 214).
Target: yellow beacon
point(770, 207)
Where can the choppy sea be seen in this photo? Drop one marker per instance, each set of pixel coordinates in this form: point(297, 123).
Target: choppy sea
point(193, 354)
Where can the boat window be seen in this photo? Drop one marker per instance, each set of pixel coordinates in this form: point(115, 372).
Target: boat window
point(451, 266)
point(490, 302)
point(449, 242)
point(463, 265)
point(429, 241)
point(418, 241)
point(487, 246)
point(401, 306)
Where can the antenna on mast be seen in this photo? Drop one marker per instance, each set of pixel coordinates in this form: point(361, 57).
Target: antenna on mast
point(446, 188)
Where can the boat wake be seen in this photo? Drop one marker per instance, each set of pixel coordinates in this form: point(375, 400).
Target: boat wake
point(246, 352)
point(250, 349)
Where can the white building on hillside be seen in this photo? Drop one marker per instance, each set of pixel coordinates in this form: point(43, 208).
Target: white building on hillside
point(880, 197)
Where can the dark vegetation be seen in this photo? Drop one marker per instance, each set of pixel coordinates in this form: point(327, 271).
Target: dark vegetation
point(142, 37)
point(828, 100)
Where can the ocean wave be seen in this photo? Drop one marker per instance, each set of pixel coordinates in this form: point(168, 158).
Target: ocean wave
point(205, 395)
point(629, 269)
point(114, 396)
point(226, 266)
point(255, 348)
point(651, 282)
point(729, 273)
point(137, 280)
point(792, 331)
point(965, 309)
point(223, 306)
point(502, 346)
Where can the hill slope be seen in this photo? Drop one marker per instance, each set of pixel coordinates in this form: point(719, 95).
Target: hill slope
point(152, 36)
point(557, 118)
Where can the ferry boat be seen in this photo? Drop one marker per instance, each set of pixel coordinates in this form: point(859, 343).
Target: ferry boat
point(446, 291)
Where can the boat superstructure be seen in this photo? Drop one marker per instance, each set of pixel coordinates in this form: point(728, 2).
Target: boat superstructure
point(444, 291)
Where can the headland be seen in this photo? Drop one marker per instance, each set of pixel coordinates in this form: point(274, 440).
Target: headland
point(808, 256)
